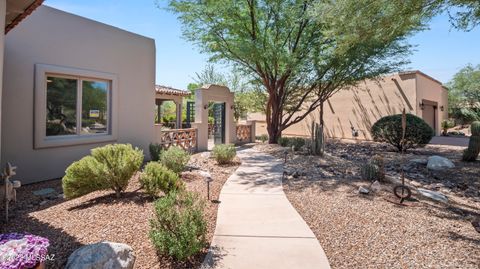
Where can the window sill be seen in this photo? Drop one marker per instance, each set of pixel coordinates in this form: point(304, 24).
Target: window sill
point(73, 140)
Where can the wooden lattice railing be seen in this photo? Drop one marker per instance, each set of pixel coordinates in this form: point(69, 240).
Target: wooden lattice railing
point(184, 138)
point(244, 133)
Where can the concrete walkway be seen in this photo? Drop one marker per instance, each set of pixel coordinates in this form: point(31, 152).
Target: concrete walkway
point(257, 227)
point(450, 141)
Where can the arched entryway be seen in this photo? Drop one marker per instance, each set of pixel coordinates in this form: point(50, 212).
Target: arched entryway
point(219, 100)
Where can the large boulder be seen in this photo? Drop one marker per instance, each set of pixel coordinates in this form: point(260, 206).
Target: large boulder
point(437, 163)
point(102, 255)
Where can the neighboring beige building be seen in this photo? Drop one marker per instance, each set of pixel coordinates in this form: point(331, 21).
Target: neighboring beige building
point(361, 106)
point(55, 64)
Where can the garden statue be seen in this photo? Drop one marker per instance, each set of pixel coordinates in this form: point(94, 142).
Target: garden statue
point(8, 190)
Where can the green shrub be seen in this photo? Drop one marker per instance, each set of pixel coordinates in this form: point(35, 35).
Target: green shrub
point(223, 153)
point(157, 178)
point(108, 167)
point(263, 138)
point(283, 141)
point(296, 142)
point(446, 124)
point(179, 227)
point(155, 151)
point(465, 115)
point(175, 159)
point(389, 129)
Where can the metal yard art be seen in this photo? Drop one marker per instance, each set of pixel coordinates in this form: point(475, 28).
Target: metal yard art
point(401, 190)
point(8, 192)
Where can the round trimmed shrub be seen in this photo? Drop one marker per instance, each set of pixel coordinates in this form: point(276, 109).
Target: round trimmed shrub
point(108, 167)
point(175, 159)
point(179, 227)
point(223, 153)
point(157, 178)
point(389, 130)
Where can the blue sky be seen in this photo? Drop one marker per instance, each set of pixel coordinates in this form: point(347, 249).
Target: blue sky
point(440, 51)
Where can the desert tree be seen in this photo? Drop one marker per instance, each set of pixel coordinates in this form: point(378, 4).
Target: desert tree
point(302, 51)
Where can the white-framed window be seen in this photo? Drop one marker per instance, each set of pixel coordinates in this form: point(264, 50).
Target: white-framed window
point(73, 106)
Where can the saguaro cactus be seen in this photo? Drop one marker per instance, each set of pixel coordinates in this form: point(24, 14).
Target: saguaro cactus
point(318, 139)
point(471, 153)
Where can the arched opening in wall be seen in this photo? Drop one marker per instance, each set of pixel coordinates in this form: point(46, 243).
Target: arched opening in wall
point(216, 124)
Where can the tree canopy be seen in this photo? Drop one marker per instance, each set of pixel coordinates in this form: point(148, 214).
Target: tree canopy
point(464, 14)
point(464, 94)
point(300, 49)
point(248, 97)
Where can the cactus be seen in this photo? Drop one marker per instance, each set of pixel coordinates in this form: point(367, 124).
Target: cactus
point(317, 140)
point(471, 153)
point(475, 128)
point(374, 169)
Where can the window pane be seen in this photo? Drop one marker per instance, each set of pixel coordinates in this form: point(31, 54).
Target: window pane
point(61, 106)
point(94, 107)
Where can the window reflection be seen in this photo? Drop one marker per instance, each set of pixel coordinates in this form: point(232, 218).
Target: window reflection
point(94, 107)
point(61, 106)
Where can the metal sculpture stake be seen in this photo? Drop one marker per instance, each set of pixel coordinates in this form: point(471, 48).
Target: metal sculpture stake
point(402, 191)
point(9, 192)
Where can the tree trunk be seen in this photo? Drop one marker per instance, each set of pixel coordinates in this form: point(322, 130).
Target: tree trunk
point(274, 119)
point(321, 114)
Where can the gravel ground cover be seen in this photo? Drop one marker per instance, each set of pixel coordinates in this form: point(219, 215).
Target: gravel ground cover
point(69, 224)
point(367, 231)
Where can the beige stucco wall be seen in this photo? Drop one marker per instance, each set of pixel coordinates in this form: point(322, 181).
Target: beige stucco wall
point(428, 89)
point(50, 36)
point(361, 106)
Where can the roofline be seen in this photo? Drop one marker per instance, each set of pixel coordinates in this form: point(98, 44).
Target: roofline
point(99, 22)
point(418, 72)
point(23, 15)
point(174, 91)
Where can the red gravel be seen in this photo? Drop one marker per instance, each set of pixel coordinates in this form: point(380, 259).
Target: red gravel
point(100, 216)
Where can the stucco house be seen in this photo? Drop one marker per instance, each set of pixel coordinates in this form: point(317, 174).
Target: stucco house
point(354, 110)
point(70, 84)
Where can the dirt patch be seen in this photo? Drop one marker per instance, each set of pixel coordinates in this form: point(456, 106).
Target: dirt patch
point(99, 216)
point(367, 231)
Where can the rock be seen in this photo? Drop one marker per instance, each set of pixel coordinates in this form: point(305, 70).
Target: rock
point(44, 192)
point(437, 163)
point(206, 175)
point(43, 202)
point(295, 174)
point(376, 186)
point(102, 255)
point(434, 195)
point(363, 190)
